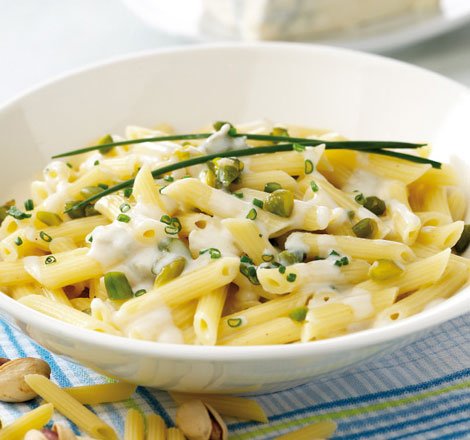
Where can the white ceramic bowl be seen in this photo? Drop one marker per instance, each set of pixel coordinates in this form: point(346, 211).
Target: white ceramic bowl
point(359, 95)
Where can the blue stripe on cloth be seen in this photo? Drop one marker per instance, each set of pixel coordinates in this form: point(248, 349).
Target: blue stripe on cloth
point(361, 399)
point(155, 405)
point(405, 423)
point(422, 406)
point(454, 435)
point(12, 339)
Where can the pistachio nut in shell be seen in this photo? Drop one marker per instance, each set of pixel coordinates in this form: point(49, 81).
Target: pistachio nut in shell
point(13, 387)
point(199, 421)
point(194, 421)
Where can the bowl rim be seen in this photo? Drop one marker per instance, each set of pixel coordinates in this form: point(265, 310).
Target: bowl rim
point(425, 320)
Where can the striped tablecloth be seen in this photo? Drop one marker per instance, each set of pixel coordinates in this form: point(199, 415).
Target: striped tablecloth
point(419, 392)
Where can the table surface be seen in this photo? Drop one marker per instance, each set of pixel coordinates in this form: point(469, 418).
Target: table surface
point(41, 39)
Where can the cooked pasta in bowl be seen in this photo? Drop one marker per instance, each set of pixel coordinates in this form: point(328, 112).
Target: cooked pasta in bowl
point(186, 255)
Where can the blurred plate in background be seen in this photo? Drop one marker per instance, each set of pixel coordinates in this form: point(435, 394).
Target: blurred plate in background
point(384, 25)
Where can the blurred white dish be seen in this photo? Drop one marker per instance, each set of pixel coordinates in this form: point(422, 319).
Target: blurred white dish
point(189, 18)
point(359, 95)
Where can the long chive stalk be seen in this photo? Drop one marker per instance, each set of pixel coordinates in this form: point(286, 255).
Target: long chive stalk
point(235, 153)
point(357, 145)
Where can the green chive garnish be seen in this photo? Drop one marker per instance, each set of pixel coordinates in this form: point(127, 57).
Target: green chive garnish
point(267, 258)
point(174, 225)
point(68, 164)
point(314, 186)
point(50, 259)
point(18, 241)
point(96, 162)
point(127, 192)
point(464, 240)
point(258, 203)
point(213, 252)
point(299, 314)
point(298, 147)
point(359, 198)
point(239, 195)
point(291, 277)
point(252, 214)
point(333, 253)
point(234, 322)
point(140, 292)
point(16, 213)
point(124, 207)
point(366, 146)
point(123, 218)
point(168, 178)
point(117, 286)
point(46, 237)
point(342, 262)
point(28, 205)
point(308, 166)
point(103, 185)
point(282, 269)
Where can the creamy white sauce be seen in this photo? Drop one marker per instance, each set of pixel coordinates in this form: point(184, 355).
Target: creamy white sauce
point(112, 244)
point(367, 183)
point(413, 222)
point(213, 235)
point(360, 302)
point(294, 242)
point(220, 141)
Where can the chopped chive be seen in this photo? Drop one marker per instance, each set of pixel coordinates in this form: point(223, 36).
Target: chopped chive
point(267, 257)
point(90, 239)
point(314, 186)
point(165, 219)
point(239, 195)
point(123, 218)
point(124, 207)
point(258, 203)
point(333, 253)
point(103, 185)
point(299, 147)
point(234, 322)
point(16, 213)
point(260, 235)
point(252, 214)
point(271, 187)
point(282, 269)
point(291, 277)
point(127, 192)
point(213, 252)
point(96, 162)
point(168, 178)
point(162, 188)
point(308, 166)
point(246, 259)
point(299, 314)
point(464, 240)
point(50, 259)
point(186, 176)
point(28, 205)
point(46, 237)
point(174, 225)
point(69, 164)
point(140, 292)
point(117, 285)
point(342, 262)
point(360, 199)
point(18, 241)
